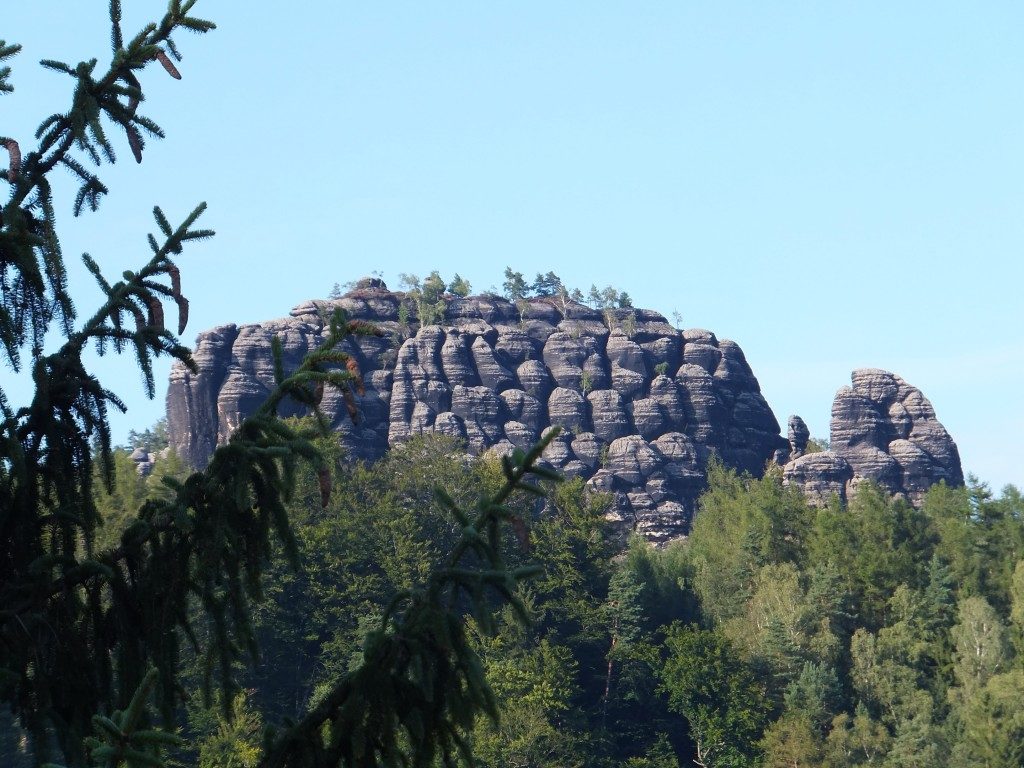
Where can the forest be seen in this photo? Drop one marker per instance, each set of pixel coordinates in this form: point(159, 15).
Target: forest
point(776, 634)
point(289, 607)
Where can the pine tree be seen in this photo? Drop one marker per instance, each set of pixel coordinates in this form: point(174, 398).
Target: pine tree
point(92, 637)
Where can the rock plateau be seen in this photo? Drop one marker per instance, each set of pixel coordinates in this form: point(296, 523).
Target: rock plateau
point(642, 411)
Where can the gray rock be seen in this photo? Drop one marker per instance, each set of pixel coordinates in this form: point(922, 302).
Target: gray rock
point(625, 353)
point(704, 416)
point(631, 459)
point(535, 379)
point(500, 448)
point(564, 356)
point(857, 421)
point(667, 394)
point(733, 372)
point(489, 308)
point(514, 347)
point(451, 425)
point(602, 481)
point(608, 415)
point(558, 452)
point(479, 408)
point(876, 385)
point(422, 420)
point(822, 476)
point(665, 352)
point(492, 373)
point(574, 468)
point(456, 361)
point(799, 434)
point(659, 487)
point(648, 418)
point(568, 409)
point(496, 374)
point(520, 406)
point(669, 520)
point(915, 467)
point(699, 336)
point(627, 383)
point(520, 435)
point(885, 432)
point(192, 415)
point(588, 448)
point(706, 356)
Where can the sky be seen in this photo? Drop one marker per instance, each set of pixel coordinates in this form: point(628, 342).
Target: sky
point(831, 185)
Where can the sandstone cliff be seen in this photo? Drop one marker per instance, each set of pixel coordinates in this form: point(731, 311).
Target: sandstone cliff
point(643, 406)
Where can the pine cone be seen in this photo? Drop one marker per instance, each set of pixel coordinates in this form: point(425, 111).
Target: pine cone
point(135, 142)
point(156, 312)
point(15, 164)
point(318, 393)
point(353, 368)
point(350, 404)
point(168, 65)
point(182, 303)
point(172, 270)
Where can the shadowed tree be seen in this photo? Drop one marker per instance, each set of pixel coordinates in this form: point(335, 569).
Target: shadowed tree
point(92, 637)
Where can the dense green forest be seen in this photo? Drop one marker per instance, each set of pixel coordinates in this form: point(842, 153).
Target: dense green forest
point(776, 634)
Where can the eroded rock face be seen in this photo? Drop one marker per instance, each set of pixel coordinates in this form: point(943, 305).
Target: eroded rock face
point(641, 412)
point(883, 430)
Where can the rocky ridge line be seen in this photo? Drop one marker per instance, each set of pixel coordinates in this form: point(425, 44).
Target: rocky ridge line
point(641, 411)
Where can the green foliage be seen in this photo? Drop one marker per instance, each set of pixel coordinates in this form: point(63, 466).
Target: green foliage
point(124, 738)
point(421, 685)
point(743, 523)
point(427, 296)
point(152, 439)
point(459, 286)
point(514, 287)
point(993, 723)
point(717, 693)
point(229, 743)
point(609, 300)
point(99, 618)
point(881, 634)
point(548, 284)
point(586, 382)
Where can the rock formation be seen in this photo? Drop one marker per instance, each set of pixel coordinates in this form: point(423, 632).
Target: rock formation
point(641, 412)
point(882, 430)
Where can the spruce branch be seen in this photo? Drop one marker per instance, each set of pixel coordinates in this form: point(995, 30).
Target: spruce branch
point(421, 685)
point(99, 100)
point(7, 52)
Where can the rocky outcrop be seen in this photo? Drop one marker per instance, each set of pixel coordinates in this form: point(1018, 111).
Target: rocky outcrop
point(883, 430)
point(641, 412)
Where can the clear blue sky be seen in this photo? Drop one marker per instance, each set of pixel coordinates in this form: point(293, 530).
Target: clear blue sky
point(832, 185)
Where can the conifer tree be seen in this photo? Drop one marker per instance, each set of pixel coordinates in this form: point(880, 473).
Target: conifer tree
point(91, 637)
